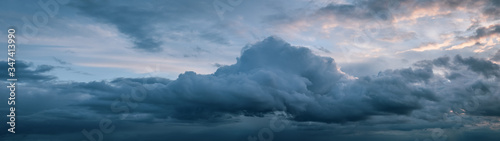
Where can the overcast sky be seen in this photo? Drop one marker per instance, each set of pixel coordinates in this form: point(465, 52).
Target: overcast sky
point(255, 69)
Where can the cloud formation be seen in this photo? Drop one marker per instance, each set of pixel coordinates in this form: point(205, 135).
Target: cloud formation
point(133, 22)
point(481, 35)
point(397, 10)
point(28, 72)
point(272, 75)
point(427, 87)
point(149, 25)
point(496, 57)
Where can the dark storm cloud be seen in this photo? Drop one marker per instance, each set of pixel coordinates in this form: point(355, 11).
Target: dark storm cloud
point(27, 72)
point(269, 76)
point(61, 108)
point(471, 85)
point(272, 75)
point(484, 67)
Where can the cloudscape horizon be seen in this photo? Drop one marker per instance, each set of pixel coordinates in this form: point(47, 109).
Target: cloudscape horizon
point(347, 70)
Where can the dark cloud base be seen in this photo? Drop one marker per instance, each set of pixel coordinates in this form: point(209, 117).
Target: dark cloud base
point(320, 101)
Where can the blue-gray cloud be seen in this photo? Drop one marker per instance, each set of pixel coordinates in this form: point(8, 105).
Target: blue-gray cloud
point(486, 31)
point(141, 21)
point(27, 71)
point(270, 75)
point(129, 20)
point(496, 57)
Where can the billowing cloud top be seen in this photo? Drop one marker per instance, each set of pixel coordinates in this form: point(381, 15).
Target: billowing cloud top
point(272, 75)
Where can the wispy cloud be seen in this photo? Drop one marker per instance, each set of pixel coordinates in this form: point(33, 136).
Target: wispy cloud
point(481, 36)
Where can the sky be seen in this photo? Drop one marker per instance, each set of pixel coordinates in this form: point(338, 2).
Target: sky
point(229, 70)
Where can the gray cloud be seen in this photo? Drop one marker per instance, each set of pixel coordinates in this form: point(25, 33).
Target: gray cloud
point(496, 57)
point(272, 75)
point(27, 72)
point(482, 32)
point(264, 80)
point(269, 76)
point(322, 102)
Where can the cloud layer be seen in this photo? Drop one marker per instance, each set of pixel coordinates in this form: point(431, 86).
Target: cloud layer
point(271, 75)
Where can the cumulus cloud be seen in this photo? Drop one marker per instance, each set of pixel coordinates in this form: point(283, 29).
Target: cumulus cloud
point(486, 31)
point(484, 67)
point(272, 75)
point(322, 102)
point(362, 9)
